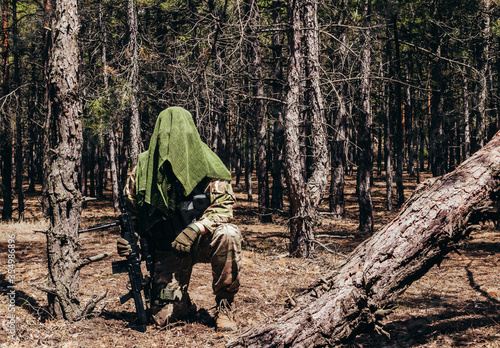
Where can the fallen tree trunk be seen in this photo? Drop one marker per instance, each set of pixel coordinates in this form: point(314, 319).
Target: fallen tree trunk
point(441, 212)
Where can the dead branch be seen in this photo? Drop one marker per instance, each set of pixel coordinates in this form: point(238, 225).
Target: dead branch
point(89, 260)
point(328, 249)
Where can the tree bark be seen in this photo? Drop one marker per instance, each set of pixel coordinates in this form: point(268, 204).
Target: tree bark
point(47, 53)
point(438, 86)
point(398, 117)
point(133, 81)
point(277, 109)
point(409, 115)
point(389, 178)
point(7, 122)
point(33, 174)
point(365, 158)
point(219, 109)
point(483, 74)
point(113, 160)
point(388, 133)
point(111, 133)
point(19, 118)
point(305, 192)
point(466, 112)
point(338, 146)
point(338, 162)
point(249, 163)
point(441, 212)
point(63, 147)
point(259, 112)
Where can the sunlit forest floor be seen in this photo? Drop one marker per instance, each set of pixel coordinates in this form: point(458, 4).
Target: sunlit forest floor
point(454, 304)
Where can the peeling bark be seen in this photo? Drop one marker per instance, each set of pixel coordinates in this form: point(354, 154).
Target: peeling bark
point(440, 213)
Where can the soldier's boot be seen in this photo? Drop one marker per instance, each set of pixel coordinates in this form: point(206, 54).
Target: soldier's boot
point(173, 311)
point(170, 302)
point(224, 319)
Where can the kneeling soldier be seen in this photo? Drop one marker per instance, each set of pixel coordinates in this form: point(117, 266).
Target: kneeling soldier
point(173, 173)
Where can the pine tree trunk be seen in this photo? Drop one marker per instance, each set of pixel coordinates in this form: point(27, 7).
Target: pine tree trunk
point(90, 165)
point(111, 135)
point(421, 146)
point(219, 110)
point(389, 193)
point(31, 148)
point(33, 105)
point(398, 117)
point(237, 153)
point(380, 141)
point(441, 212)
point(277, 169)
point(47, 53)
point(466, 111)
point(259, 112)
point(104, 45)
point(63, 148)
point(339, 141)
point(133, 81)
point(389, 178)
point(365, 158)
point(388, 132)
point(437, 87)
point(277, 110)
point(249, 145)
point(19, 119)
point(483, 74)
point(338, 165)
point(305, 193)
point(113, 160)
point(7, 125)
point(409, 114)
point(124, 153)
point(63, 159)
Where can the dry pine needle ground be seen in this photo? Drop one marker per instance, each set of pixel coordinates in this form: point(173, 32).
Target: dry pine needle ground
point(454, 304)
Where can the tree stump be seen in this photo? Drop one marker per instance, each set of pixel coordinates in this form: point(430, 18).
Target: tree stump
point(441, 212)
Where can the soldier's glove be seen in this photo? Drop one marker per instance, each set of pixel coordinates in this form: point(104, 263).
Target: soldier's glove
point(123, 246)
point(186, 238)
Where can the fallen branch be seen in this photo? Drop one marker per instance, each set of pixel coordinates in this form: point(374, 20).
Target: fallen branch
point(89, 260)
point(328, 249)
point(334, 236)
point(90, 306)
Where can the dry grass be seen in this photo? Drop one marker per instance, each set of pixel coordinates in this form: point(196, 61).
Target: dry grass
point(452, 305)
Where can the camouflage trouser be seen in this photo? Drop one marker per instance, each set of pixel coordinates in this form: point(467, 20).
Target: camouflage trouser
point(172, 271)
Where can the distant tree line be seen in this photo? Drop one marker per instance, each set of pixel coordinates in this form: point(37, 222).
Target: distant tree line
point(295, 92)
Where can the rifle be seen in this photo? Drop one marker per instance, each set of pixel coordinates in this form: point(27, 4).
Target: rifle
point(89, 229)
point(132, 265)
point(100, 227)
point(189, 212)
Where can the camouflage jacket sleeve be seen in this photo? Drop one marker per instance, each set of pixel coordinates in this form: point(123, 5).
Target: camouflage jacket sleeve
point(220, 210)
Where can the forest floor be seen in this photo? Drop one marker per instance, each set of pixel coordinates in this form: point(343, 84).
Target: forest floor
point(455, 304)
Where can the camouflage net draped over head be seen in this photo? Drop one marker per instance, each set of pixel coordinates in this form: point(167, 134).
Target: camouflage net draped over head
point(175, 140)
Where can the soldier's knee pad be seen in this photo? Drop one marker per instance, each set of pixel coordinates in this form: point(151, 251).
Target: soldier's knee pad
point(162, 293)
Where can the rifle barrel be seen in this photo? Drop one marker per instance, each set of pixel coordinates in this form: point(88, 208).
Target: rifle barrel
point(100, 227)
